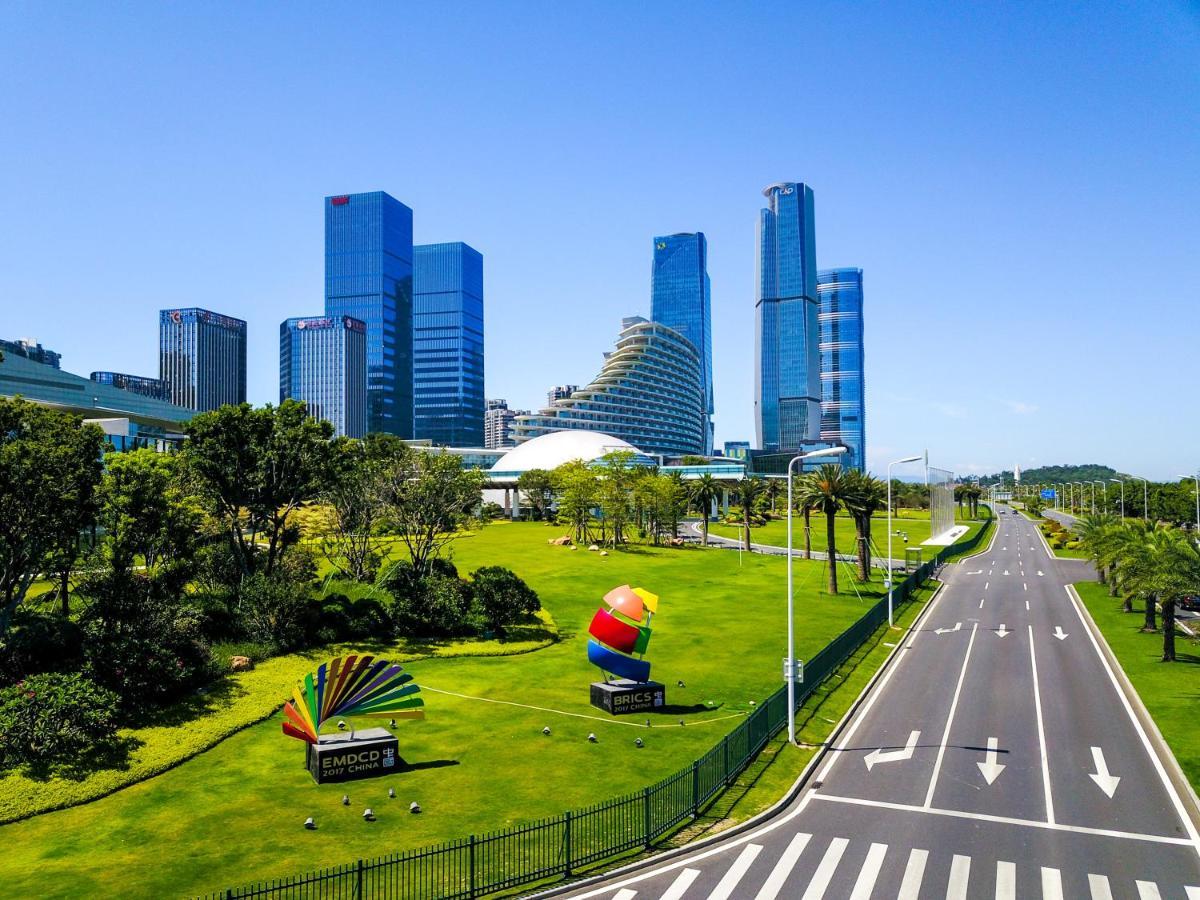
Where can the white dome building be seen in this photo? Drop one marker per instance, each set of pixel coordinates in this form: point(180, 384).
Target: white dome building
point(549, 451)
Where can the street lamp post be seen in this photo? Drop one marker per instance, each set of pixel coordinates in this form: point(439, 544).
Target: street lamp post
point(1195, 478)
point(1145, 496)
point(790, 663)
point(1103, 496)
point(1122, 483)
point(890, 571)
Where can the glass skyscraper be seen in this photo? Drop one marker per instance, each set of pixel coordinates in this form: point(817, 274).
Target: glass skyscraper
point(323, 361)
point(448, 402)
point(369, 277)
point(843, 396)
point(787, 410)
point(680, 298)
point(202, 357)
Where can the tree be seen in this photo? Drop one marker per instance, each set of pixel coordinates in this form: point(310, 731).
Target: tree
point(538, 487)
point(616, 481)
point(356, 508)
point(253, 468)
point(49, 468)
point(773, 488)
point(429, 497)
point(748, 492)
point(1095, 533)
point(1161, 565)
point(703, 492)
point(501, 597)
point(827, 490)
point(578, 489)
point(867, 495)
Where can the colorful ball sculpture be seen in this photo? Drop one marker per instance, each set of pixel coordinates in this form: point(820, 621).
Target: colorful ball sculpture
point(354, 686)
point(621, 629)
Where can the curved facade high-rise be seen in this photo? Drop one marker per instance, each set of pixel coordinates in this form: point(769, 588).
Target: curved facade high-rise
point(843, 392)
point(649, 392)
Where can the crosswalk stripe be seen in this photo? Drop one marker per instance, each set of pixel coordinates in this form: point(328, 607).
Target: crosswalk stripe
point(774, 883)
point(914, 872)
point(680, 884)
point(625, 894)
point(1006, 880)
point(1193, 893)
point(870, 871)
point(1148, 890)
point(1098, 885)
point(1051, 884)
point(960, 874)
point(725, 887)
point(824, 873)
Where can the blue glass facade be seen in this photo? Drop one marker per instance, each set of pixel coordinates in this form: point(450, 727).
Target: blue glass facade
point(202, 357)
point(448, 401)
point(681, 299)
point(369, 277)
point(137, 384)
point(323, 361)
point(843, 390)
point(787, 410)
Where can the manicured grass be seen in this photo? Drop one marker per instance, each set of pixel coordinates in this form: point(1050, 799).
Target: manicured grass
point(234, 813)
point(1169, 690)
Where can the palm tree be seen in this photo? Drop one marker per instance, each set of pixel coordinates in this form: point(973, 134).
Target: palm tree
point(748, 491)
point(827, 490)
point(867, 496)
point(702, 492)
point(773, 487)
point(1162, 566)
point(1095, 532)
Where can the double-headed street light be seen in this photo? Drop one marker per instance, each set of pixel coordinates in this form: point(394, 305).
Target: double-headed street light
point(898, 462)
point(1122, 483)
point(1145, 496)
point(1195, 478)
point(790, 663)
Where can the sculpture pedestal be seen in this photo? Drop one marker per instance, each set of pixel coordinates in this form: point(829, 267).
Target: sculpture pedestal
point(623, 696)
point(349, 756)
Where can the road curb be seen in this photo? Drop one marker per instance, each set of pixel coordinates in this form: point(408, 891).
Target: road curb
point(771, 812)
point(1179, 781)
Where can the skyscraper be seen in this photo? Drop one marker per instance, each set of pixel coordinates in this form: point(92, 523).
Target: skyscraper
point(843, 395)
point(787, 408)
point(497, 424)
point(369, 277)
point(202, 356)
point(680, 298)
point(448, 344)
point(323, 361)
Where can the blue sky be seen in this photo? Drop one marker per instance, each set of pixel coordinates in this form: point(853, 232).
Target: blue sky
point(1020, 183)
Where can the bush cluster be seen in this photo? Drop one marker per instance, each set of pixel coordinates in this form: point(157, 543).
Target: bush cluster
point(442, 604)
point(54, 716)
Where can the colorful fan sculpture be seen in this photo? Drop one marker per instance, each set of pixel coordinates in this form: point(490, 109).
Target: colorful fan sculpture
point(354, 686)
point(622, 629)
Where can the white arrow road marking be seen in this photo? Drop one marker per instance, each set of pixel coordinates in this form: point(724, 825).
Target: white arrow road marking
point(881, 756)
point(1108, 783)
point(980, 572)
point(957, 627)
point(1059, 633)
point(1002, 631)
point(989, 767)
point(725, 888)
point(1040, 574)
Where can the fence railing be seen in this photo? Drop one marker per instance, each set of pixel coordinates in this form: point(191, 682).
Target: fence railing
point(560, 845)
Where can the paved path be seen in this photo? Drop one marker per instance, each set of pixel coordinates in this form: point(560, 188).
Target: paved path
point(996, 757)
point(797, 551)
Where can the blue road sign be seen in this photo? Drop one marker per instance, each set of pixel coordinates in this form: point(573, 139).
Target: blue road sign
point(1048, 494)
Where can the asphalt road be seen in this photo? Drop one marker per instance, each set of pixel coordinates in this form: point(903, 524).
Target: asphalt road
point(995, 758)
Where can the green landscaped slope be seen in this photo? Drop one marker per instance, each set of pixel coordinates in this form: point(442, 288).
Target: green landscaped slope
point(1169, 690)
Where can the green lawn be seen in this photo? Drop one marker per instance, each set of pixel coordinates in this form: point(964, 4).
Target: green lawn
point(234, 813)
point(1169, 690)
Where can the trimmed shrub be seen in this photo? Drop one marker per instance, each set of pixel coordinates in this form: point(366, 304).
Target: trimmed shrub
point(501, 598)
point(39, 642)
point(54, 717)
point(435, 606)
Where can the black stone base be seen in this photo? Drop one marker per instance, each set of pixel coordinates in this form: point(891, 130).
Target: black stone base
point(622, 696)
point(350, 756)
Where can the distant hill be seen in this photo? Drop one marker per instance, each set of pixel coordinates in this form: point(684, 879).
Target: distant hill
point(1054, 475)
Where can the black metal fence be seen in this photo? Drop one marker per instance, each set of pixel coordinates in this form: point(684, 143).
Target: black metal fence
point(560, 845)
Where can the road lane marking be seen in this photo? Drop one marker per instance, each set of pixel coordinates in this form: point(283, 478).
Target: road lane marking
point(1051, 884)
point(989, 767)
point(957, 627)
point(1037, 702)
point(824, 874)
point(1023, 584)
point(775, 881)
point(980, 606)
point(1148, 890)
point(904, 753)
point(914, 872)
point(1006, 880)
point(725, 887)
point(937, 766)
point(960, 873)
point(1026, 604)
point(1193, 893)
point(1002, 631)
point(1106, 781)
point(681, 884)
point(1059, 633)
point(870, 871)
point(986, 584)
point(1098, 887)
point(624, 894)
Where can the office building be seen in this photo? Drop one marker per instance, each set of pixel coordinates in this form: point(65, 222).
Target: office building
point(648, 393)
point(843, 396)
point(737, 449)
point(369, 277)
point(448, 345)
point(202, 358)
point(497, 424)
point(787, 406)
point(155, 388)
point(31, 350)
point(680, 298)
point(323, 361)
point(560, 392)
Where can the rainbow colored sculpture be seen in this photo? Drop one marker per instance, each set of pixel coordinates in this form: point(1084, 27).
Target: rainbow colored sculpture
point(354, 686)
point(621, 629)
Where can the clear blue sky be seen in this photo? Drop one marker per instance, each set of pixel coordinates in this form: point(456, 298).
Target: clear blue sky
point(1021, 185)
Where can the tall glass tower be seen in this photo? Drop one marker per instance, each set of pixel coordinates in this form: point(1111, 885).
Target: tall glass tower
point(323, 361)
point(843, 393)
point(680, 298)
point(448, 344)
point(202, 357)
point(369, 276)
point(787, 409)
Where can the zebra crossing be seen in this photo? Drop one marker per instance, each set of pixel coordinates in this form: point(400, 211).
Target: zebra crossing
point(966, 878)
